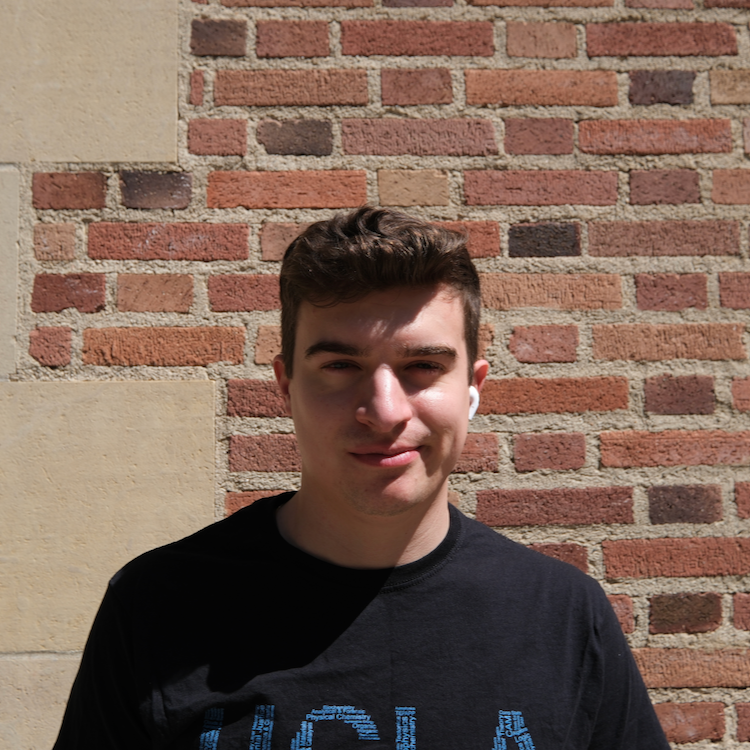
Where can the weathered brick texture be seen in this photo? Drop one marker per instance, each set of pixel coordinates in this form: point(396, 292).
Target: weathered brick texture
point(217, 137)
point(155, 189)
point(679, 394)
point(291, 39)
point(55, 292)
point(226, 37)
point(164, 292)
point(54, 241)
point(549, 451)
point(661, 87)
point(573, 554)
point(240, 292)
point(692, 667)
point(77, 190)
point(684, 504)
point(691, 722)
point(660, 39)
point(672, 292)
point(670, 186)
point(684, 613)
point(50, 346)
point(539, 135)
point(544, 343)
point(296, 137)
point(556, 291)
point(405, 87)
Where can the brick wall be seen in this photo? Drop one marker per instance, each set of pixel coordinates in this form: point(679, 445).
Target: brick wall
point(596, 154)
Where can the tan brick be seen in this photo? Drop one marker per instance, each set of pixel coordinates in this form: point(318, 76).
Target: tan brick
point(692, 667)
point(54, 241)
point(163, 347)
point(650, 343)
point(629, 449)
point(691, 722)
point(554, 40)
point(591, 88)
point(418, 187)
point(730, 86)
point(267, 344)
point(556, 291)
point(731, 186)
point(147, 292)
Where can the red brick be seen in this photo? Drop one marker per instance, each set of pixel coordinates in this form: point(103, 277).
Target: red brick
point(563, 506)
point(642, 137)
point(734, 290)
point(296, 137)
point(149, 241)
point(742, 498)
point(154, 292)
point(727, 3)
point(156, 189)
point(542, 187)
point(671, 291)
point(263, 453)
point(555, 291)
point(692, 667)
point(741, 606)
point(479, 454)
point(731, 186)
point(746, 130)
point(234, 501)
point(394, 136)
point(675, 4)
point(404, 87)
point(417, 3)
point(684, 613)
point(661, 86)
point(553, 395)
point(555, 40)
point(482, 237)
point(676, 558)
point(297, 3)
point(573, 554)
point(54, 241)
point(556, 450)
point(275, 238)
point(197, 85)
point(310, 189)
point(50, 346)
point(291, 39)
point(76, 190)
point(217, 137)
point(55, 292)
point(417, 38)
point(660, 39)
point(622, 605)
point(652, 238)
point(544, 343)
point(691, 722)
point(628, 449)
point(547, 3)
point(687, 503)
point(254, 398)
point(537, 135)
point(544, 240)
point(741, 393)
point(743, 721)
point(648, 343)
point(163, 347)
point(267, 344)
point(243, 292)
point(296, 88)
point(589, 88)
point(218, 37)
point(664, 186)
point(680, 394)
point(486, 337)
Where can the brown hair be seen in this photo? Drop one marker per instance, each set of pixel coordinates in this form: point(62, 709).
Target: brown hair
point(371, 249)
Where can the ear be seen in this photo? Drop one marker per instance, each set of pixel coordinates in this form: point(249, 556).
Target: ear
point(279, 370)
point(481, 368)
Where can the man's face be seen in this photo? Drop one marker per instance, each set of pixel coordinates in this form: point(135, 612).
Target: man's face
point(380, 397)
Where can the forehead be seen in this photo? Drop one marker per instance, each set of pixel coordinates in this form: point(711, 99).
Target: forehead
point(429, 315)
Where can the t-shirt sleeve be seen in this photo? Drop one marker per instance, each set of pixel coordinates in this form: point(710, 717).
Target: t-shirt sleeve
point(626, 719)
point(104, 708)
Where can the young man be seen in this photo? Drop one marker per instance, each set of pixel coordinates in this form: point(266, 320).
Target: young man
point(362, 610)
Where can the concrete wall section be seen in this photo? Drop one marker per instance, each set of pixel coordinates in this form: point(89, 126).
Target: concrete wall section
point(98, 81)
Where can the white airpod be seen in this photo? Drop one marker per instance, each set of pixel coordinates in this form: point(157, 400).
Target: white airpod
point(473, 401)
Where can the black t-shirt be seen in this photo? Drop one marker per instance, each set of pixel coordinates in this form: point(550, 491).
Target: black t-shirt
point(232, 638)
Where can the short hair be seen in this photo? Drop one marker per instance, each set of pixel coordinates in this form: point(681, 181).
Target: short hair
point(347, 257)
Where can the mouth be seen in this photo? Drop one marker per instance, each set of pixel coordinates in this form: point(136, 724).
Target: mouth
point(388, 458)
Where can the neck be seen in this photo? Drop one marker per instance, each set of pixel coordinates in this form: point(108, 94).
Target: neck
point(350, 538)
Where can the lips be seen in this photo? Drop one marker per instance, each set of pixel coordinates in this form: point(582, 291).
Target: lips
point(386, 458)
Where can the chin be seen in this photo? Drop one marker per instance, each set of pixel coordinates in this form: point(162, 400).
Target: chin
point(393, 500)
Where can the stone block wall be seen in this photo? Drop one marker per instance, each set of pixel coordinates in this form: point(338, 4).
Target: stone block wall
point(596, 154)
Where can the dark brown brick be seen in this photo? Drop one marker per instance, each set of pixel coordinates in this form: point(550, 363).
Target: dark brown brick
point(667, 186)
point(685, 613)
point(573, 554)
point(296, 137)
point(544, 240)
point(214, 38)
point(50, 346)
point(156, 189)
point(688, 503)
point(404, 87)
point(661, 86)
point(254, 398)
point(671, 291)
point(55, 292)
point(539, 135)
point(681, 394)
point(74, 190)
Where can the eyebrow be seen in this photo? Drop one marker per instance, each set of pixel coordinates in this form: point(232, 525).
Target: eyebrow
point(349, 350)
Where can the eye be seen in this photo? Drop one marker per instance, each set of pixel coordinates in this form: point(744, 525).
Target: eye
point(338, 365)
point(427, 366)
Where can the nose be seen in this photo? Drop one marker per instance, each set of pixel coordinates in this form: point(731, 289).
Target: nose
point(384, 404)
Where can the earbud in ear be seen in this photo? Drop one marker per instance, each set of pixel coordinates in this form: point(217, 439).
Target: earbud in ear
point(473, 401)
